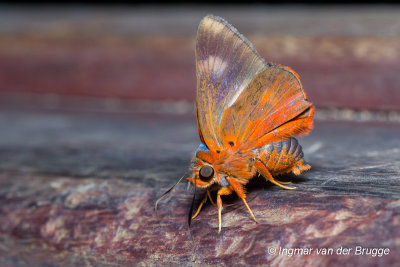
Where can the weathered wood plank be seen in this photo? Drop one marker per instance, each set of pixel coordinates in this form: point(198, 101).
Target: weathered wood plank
point(340, 54)
point(79, 189)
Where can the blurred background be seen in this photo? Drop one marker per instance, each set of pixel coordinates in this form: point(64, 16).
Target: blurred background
point(126, 57)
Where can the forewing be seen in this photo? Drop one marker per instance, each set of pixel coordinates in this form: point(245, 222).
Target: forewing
point(226, 63)
point(241, 100)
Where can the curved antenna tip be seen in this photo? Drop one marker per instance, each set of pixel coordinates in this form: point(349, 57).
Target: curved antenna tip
point(167, 192)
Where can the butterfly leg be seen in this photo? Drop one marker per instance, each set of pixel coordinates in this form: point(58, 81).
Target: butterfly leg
point(282, 182)
point(252, 215)
point(209, 196)
point(221, 192)
point(200, 205)
point(238, 188)
point(264, 172)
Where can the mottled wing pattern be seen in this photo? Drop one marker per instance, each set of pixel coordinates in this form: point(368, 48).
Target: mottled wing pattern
point(226, 63)
point(242, 101)
point(273, 107)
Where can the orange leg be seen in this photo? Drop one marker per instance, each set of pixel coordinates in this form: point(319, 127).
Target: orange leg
point(238, 188)
point(282, 182)
point(221, 192)
point(200, 206)
point(209, 196)
point(203, 202)
point(264, 172)
point(252, 215)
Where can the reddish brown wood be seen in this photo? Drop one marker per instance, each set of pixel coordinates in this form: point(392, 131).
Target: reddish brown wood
point(79, 189)
point(346, 58)
point(335, 71)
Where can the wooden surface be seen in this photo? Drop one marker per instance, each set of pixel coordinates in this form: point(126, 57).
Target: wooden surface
point(79, 189)
point(346, 57)
point(96, 108)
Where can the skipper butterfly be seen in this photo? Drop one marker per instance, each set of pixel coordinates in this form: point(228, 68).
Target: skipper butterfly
point(248, 112)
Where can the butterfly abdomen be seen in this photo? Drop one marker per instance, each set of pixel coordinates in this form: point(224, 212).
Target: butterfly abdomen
point(282, 157)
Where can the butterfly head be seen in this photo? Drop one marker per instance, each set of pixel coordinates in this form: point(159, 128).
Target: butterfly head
point(203, 175)
point(204, 170)
point(212, 168)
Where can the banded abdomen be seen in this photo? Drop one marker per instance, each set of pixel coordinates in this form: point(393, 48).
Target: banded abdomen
point(282, 157)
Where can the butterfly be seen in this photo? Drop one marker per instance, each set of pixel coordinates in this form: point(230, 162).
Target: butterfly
point(248, 112)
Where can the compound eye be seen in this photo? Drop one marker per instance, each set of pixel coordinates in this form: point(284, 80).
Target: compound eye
point(206, 173)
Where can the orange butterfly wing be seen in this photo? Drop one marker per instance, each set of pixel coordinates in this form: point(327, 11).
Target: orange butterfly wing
point(225, 65)
point(273, 107)
point(241, 100)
